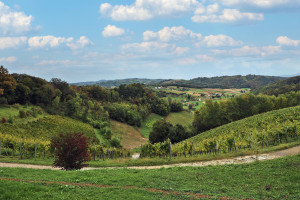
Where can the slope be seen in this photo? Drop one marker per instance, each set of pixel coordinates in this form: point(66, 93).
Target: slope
point(280, 87)
point(263, 129)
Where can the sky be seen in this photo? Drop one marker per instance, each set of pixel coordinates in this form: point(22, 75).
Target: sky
point(171, 39)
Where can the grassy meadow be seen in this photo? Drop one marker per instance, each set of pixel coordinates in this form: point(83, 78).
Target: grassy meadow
point(184, 118)
point(146, 127)
point(273, 179)
point(130, 136)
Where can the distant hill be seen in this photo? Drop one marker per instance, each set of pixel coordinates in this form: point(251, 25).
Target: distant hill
point(280, 87)
point(238, 81)
point(118, 82)
point(290, 75)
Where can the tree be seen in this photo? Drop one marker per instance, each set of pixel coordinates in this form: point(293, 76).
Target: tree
point(160, 131)
point(178, 133)
point(63, 86)
point(71, 151)
point(7, 84)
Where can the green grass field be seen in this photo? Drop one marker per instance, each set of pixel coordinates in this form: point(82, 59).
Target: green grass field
point(274, 179)
point(184, 118)
point(129, 135)
point(146, 127)
point(13, 113)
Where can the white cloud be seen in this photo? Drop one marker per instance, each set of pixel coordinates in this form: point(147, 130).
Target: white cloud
point(246, 51)
point(172, 34)
point(56, 62)
point(219, 40)
point(8, 59)
point(11, 42)
point(13, 23)
point(204, 57)
point(181, 50)
point(285, 41)
point(147, 46)
point(112, 31)
point(181, 34)
point(226, 16)
point(148, 9)
point(196, 59)
point(47, 41)
point(261, 3)
point(79, 44)
point(52, 42)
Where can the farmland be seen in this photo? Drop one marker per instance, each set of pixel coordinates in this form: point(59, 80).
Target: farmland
point(196, 96)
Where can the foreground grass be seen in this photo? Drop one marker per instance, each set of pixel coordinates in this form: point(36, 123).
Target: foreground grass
point(274, 179)
point(53, 191)
point(155, 161)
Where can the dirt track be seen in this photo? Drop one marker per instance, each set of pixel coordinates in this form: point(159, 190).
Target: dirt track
point(237, 160)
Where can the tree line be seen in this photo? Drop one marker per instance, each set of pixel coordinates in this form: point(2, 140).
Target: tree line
point(93, 104)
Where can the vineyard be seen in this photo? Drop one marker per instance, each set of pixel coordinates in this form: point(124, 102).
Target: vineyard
point(38, 133)
point(271, 128)
point(263, 130)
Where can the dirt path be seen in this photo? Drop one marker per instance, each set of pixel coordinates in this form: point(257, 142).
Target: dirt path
point(237, 160)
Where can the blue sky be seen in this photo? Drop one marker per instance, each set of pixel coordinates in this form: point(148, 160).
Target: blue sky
point(179, 39)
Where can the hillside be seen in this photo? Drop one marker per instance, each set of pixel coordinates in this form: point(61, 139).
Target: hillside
point(262, 129)
point(238, 81)
point(183, 118)
point(130, 137)
point(118, 82)
point(42, 129)
point(280, 87)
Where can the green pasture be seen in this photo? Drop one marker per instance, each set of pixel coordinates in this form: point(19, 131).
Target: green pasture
point(273, 179)
point(184, 118)
point(146, 127)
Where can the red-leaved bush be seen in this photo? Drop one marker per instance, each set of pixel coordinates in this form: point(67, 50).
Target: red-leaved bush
point(3, 120)
point(71, 151)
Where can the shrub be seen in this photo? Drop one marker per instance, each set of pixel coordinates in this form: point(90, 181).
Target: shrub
point(3, 120)
point(10, 119)
point(3, 101)
point(115, 142)
point(71, 151)
point(22, 114)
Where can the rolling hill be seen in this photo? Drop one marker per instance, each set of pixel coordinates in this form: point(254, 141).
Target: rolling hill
point(280, 87)
point(238, 81)
point(118, 82)
point(261, 129)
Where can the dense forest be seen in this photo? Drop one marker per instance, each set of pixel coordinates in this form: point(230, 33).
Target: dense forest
point(249, 81)
point(280, 87)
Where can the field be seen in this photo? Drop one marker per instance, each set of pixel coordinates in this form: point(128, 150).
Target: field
point(274, 179)
point(146, 127)
point(130, 136)
point(12, 112)
point(197, 97)
point(184, 118)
